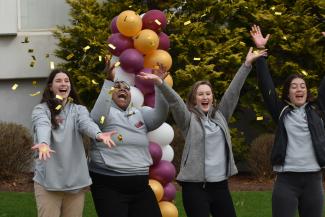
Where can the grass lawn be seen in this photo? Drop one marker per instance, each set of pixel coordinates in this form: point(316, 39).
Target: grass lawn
point(248, 204)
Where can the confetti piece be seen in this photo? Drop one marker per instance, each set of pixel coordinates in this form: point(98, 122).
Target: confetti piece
point(14, 87)
point(58, 107)
point(273, 8)
point(277, 13)
point(112, 46)
point(196, 58)
point(32, 63)
point(70, 56)
point(43, 149)
point(284, 37)
point(59, 97)
point(203, 15)
point(100, 58)
point(270, 92)
point(52, 65)
point(157, 22)
point(94, 82)
point(111, 91)
point(242, 43)
point(259, 118)
point(30, 50)
point(120, 138)
point(34, 83)
point(33, 57)
point(187, 22)
point(26, 40)
point(117, 64)
point(86, 48)
point(304, 72)
point(35, 94)
point(47, 55)
point(70, 99)
point(102, 119)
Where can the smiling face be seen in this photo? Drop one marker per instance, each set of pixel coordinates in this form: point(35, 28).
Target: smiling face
point(204, 97)
point(298, 92)
point(61, 86)
point(121, 96)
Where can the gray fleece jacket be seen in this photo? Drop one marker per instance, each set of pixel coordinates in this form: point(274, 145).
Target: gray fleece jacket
point(131, 155)
point(193, 158)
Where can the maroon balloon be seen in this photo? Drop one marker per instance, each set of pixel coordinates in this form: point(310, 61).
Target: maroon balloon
point(169, 192)
point(164, 42)
point(113, 25)
point(149, 20)
point(149, 100)
point(120, 42)
point(145, 86)
point(163, 172)
point(131, 60)
point(155, 152)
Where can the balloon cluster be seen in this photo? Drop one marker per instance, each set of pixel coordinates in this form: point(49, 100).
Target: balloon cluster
point(138, 44)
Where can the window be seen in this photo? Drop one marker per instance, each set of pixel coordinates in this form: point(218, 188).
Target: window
point(8, 17)
point(43, 14)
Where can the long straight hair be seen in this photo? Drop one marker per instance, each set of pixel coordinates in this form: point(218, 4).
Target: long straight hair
point(50, 99)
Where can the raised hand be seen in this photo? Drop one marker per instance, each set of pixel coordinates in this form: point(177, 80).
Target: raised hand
point(258, 38)
point(150, 77)
point(106, 137)
point(161, 71)
point(253, 55)
point(44, 151)
point(109, 69)
point(323, 34)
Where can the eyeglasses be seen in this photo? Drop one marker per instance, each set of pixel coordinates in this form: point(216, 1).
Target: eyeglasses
point(121, 85)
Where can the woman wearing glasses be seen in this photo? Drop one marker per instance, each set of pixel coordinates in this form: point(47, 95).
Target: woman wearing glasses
point(120, 175)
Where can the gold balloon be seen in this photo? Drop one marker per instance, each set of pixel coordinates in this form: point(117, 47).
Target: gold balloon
point(129, 23)
point(158, 56)
point(146, 41)
point(169, 80)
point(157, 188)
point(168, 209)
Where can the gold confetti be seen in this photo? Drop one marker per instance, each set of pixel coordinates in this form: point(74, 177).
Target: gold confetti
point(284, 37)
point(86, 48)
point(70, 99)
point(14, 87)
point(187, 22)
point(94, 82)
point(259, 118)
point(270, 92)
point(196, 58)
point(120, 138)
point(277, 13)
point(43, 149)
point(47, 55)
point(203, 15)
point(111, 90)
point(58, 107)
point(32, 63)
point(117, 64)
point(102, 119)
point(70, 56)
point(304, 72)
point(112, 46)
point(30, 50)
point(100, 58)
point(52, 65)
point(33, 57)
point(26, 40)
point(35, 94)
point(242, 43)
point(34, 83)
point(273, 8)
point(59, 97)
point(158, 22)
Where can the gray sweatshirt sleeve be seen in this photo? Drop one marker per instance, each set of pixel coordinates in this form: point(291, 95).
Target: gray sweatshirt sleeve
point(230, 98)
point(177, 106)
point(103, 103)
point(155, 117)
point(85, 123)
point(42, 126)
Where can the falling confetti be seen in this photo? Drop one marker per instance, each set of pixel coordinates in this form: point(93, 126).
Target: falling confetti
point(14, 87)
point(111, 90)
point(157, 22)
point(32, 63)
point(242, 43)
point(52, 65)
point(112, 46)
point(187, 23)
point(102, 119)
point(196, 58)
point(26, 40)
point(277, 13)
point(34, 83)
point(59, 97)
point(120, 138)
point(43, 149)
point(259, 118)
point(304, 72)
point(30, 50)
point(58, 107)
point(70, 56)
point(35, 94)
point(117, 64)
point(47, 55)
point(86, 48)
point(94, 82)
point(100, 58)
point(273, 8)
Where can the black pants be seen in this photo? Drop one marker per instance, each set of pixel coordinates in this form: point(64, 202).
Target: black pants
point(201, 199)
point(123, 196)
point(298, 191)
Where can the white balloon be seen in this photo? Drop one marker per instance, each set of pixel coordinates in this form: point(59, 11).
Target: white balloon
point(136, 97)
point(163, 135)
point(167, 153)
point(121, 75)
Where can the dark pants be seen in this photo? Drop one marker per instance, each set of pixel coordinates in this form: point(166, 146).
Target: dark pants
point(123, 196)
point(201, 199)
point(298, 191)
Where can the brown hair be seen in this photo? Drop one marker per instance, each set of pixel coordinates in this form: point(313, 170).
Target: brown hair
point(286, 87)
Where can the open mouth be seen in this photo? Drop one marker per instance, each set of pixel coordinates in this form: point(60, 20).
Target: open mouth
point(122, 95)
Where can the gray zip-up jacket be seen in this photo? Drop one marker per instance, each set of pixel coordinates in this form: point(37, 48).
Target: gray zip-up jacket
point(193, 158)
point(131, 155)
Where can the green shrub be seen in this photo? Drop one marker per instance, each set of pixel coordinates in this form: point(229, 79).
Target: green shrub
point(259, 158)
point(15, 150)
